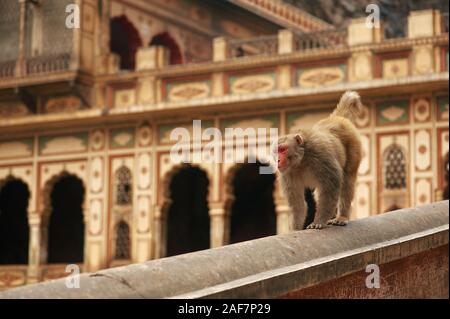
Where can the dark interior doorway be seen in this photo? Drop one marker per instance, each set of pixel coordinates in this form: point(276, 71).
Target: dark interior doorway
point(188, 217)
point(164, 39)
point(124, 41)
point(66, 226)
point(14, 229)
point(253, 210)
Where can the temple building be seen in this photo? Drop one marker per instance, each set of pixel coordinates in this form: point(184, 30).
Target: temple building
point(87, 113)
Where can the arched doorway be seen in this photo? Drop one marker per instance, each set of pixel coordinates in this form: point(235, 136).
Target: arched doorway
point(14, 229)
point(124, 41)
point(252, 208)
point(65, 225)
point(164, 39)
point(187, 213)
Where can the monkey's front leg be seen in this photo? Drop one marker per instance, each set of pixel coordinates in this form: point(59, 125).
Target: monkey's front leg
point(297, 202)
point(327, 200)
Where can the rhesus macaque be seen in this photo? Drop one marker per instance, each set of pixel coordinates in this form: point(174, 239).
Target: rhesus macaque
point(325, 158)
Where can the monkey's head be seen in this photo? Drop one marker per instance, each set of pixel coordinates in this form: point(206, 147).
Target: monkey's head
point(290, 151)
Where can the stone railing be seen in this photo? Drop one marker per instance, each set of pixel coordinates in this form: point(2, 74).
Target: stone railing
point(41, 65)
point(320, 40)
point(407, 249)
point(254, 46)
point(48, 64)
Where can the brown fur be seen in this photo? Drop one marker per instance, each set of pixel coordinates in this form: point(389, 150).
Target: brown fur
point(326, 158)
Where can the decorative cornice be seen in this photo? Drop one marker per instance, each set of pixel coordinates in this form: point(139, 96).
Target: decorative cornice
point(284, 14)
point(96, 116)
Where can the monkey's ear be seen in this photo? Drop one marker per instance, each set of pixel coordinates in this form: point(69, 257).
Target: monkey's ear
point(299, 139)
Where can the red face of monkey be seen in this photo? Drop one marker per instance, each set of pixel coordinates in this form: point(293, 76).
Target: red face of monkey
point(289, 151)
point(282, 157)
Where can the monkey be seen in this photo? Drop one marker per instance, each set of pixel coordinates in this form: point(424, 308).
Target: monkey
point(325, 158)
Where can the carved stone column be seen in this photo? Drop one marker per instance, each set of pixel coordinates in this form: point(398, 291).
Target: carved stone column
point(284, 216)
point(159, 236)
point(220, 49)
point(218, 222)
point(34, 249)
point(285, 42)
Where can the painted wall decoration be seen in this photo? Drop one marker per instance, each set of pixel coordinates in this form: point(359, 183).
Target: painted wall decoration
point(304, 119)
point(362, 204)
point(124, 98)
point(395, 112)
point(164, 130)
point(97, 140)
point(442, 108)
point(60, 144)
point(363, 118)
point(243, 84)
point(188, 91)
point(12, 277)
point(96, 174)
point(423, 59)
point(143, 214)
point(364, 166)
point(316, 77)
point(394, 68)
point(144, 135)
point(95, 217)
point(422, 145)
point(421, 109)
point(143, 171)
point(16, 148)
point(423, 191)
point(64, 104)
point(13, 109)
point(260, 122)
point(121, 137)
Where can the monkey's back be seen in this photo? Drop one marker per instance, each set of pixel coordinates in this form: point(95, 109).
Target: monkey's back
point(345, 132)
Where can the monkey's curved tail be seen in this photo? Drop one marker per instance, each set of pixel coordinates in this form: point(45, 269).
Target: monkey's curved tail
point(349, 105)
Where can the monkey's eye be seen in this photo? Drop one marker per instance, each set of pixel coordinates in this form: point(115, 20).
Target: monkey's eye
point(282, 149)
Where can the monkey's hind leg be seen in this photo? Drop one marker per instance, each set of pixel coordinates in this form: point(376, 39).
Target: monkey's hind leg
point(345, 201)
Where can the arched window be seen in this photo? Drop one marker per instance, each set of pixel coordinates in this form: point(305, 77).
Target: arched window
point(188, 224)
point(14, 197)
point(394, 168)
point(123, 186)
point(165, 40)
point(66, 224)
point(252, 207)
point(122, 251)
point(124, 41)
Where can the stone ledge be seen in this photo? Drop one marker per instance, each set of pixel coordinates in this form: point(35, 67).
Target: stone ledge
point(267, 267)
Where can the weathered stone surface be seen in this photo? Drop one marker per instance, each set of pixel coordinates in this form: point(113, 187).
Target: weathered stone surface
point(267, 267)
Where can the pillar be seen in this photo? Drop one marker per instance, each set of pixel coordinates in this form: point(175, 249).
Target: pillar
point(220, 49)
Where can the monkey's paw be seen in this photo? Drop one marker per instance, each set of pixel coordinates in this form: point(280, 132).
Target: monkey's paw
point(315, 226)
point(338, 221)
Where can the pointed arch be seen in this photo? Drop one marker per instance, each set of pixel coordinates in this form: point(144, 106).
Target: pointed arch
point(185, 211)
point(14, 227)
point(124, 41)
point(63, 229)
point(165, 39)
point(249, 202)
